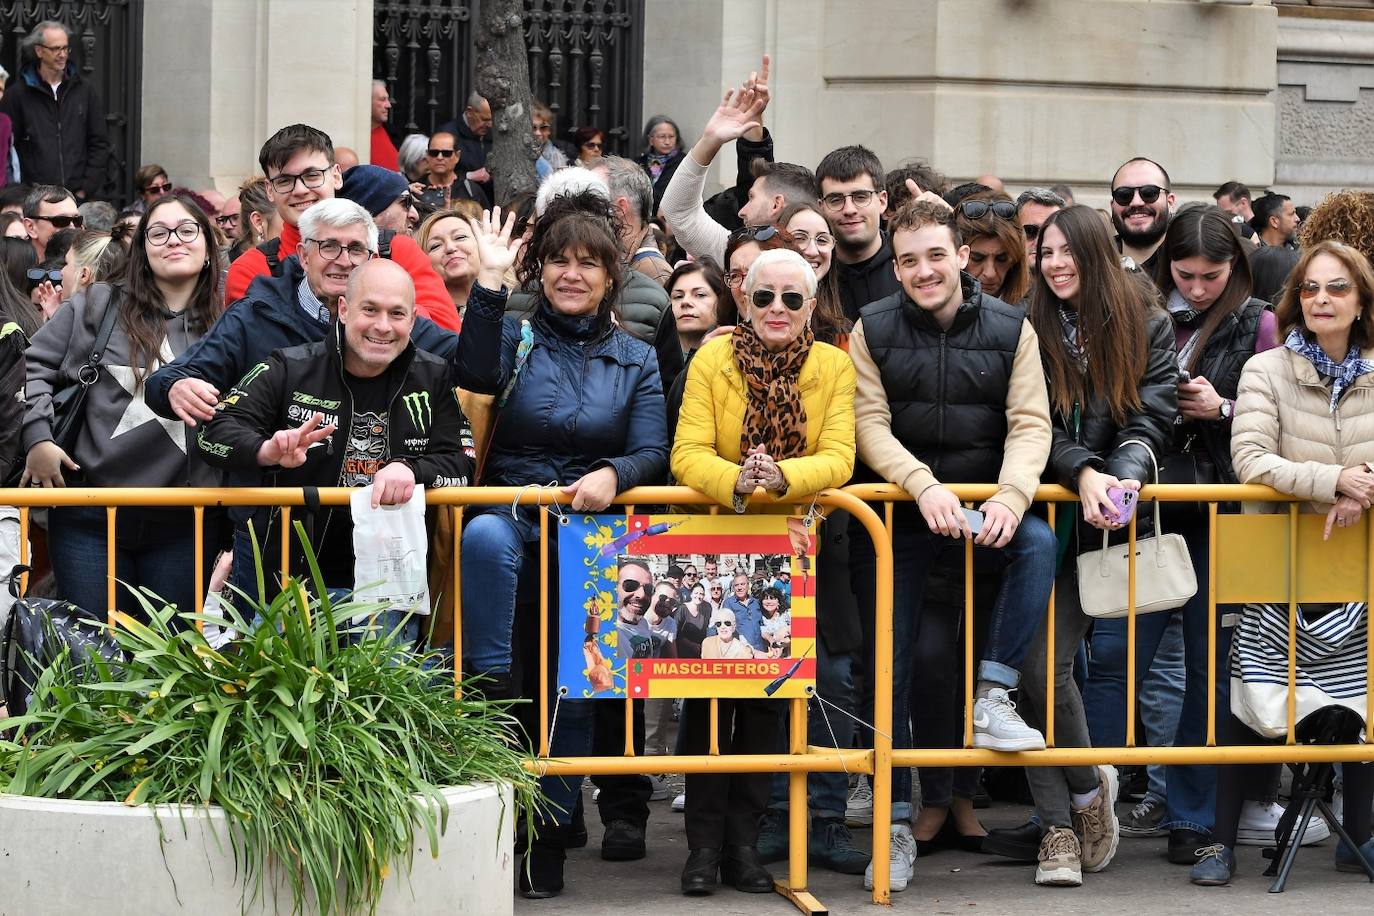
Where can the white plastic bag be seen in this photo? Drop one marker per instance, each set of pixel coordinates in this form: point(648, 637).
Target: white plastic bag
point(389, 548)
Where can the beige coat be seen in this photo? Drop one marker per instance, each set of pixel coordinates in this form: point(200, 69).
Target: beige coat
point(1285, 435)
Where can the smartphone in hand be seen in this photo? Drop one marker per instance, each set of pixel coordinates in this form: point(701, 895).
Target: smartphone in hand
point(975, 520)
point(1124, 500)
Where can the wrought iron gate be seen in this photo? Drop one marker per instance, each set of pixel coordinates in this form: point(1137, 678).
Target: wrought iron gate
point(107, 45)
point(586, 61)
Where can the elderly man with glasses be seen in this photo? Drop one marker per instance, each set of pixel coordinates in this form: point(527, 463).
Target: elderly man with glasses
point(58, 118)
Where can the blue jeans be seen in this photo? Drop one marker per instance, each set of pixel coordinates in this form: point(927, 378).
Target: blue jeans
point(1190, 791)
point(1020, 607)
point(494, 548)
point(154, 550)
point(828, 792)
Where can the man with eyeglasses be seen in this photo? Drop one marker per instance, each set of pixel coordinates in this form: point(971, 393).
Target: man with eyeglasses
point(57, 116)
point(47, 210)
point(1141, 207)
point(850, 184)
point(444, 184)
point(293, 309)
point(298, 161)
point(1033, 207)
point(385, 413)
point(227, 219)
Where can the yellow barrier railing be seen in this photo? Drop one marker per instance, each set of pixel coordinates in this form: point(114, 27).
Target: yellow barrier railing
point(1251, 558)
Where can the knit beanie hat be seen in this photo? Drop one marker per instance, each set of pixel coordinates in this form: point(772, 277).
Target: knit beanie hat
point(372, 187)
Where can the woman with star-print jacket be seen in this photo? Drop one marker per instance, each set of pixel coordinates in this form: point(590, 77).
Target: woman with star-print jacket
point(166, 301)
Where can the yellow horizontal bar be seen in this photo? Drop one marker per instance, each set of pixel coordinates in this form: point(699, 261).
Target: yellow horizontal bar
point(825, 760)
point(496, 496)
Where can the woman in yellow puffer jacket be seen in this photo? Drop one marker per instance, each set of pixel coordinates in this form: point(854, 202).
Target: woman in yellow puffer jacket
point(768, 407)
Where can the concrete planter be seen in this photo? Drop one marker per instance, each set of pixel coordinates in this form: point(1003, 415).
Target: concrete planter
point(60, 857)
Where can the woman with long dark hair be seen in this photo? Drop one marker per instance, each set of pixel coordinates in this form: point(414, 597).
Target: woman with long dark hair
point(583, 406)
point(1111, 369)
point(700, 302)
point(1204, 274)
point(167, 300)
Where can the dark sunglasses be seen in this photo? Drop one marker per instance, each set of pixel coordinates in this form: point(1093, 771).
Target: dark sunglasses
point(38, 275)
point(752, 233)
point(158, 188)
point(977, 209)
point(1032, 231)
point(1126, 193)
point(763, 298)
point(443, 153)
point(62, 222)
point(664, 601)
point(630, 586)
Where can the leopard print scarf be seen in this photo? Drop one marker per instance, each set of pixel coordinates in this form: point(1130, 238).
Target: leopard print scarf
point(775, 416)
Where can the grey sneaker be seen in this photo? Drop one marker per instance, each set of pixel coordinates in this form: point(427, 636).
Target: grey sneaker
point(1144, 819)
point(997, 727)
point(858, 810)
point(1060, 862)
point(1096, 825)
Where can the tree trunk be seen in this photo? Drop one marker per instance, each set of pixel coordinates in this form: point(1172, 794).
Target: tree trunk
point(503, 79)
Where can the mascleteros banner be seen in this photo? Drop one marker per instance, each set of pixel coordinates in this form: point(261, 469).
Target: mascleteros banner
point(655, 606)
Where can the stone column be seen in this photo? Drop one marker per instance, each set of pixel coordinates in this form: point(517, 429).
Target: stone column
point(219, 78)
point(1325, 106)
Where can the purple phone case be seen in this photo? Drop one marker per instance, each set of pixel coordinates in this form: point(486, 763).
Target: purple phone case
point(1125, 505)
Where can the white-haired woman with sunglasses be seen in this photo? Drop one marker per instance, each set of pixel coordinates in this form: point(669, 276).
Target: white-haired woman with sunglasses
point(768, 407)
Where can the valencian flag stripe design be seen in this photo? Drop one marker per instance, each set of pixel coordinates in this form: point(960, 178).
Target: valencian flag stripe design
point(629, 628)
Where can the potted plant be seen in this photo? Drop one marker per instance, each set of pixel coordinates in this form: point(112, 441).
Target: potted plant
point(294, 757)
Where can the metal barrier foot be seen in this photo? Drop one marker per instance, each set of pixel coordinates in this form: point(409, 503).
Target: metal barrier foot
point(802, 899)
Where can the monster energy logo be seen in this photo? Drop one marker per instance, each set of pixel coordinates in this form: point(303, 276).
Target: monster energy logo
point(417, 405)
point(252, 374)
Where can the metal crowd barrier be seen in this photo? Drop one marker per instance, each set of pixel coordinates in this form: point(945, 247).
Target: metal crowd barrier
point(1252, 558)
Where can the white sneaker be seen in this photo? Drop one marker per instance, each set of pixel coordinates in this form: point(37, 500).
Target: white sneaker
point(1258, 820)
point(680, 802)
point(858, 809)
point(900, 859)
point(997, 727)
point(660, 788)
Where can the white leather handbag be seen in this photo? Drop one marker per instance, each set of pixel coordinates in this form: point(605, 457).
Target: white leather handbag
point(1164, 577)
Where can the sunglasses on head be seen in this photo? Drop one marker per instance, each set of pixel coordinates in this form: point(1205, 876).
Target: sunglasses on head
point(752, 233)
point(977, 209)
point(630, 586)
point(1149, 193)
point(763, 298)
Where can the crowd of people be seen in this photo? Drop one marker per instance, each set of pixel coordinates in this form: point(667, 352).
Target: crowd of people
point(800, 330)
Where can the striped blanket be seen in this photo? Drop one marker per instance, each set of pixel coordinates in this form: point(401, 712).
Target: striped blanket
point(1331, 663)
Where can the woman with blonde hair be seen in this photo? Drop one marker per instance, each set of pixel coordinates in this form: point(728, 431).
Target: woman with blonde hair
point(446, 237)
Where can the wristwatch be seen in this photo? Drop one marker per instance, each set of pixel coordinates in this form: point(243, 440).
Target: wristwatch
point(1227, 408)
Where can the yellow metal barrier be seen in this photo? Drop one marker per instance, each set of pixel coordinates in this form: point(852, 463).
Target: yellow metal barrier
point(1252, 558)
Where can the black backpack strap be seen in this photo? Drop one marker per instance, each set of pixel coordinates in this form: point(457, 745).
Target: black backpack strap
point(384, 238)
point(271, 250)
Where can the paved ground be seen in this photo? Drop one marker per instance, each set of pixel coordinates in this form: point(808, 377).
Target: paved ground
point(1140, 880)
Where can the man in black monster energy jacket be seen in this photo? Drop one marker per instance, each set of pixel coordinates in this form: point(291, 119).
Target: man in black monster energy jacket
point(363, 406)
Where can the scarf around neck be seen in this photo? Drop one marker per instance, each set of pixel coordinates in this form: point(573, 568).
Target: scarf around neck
point(1342, 374)
point(657, 161)
point(775, 416)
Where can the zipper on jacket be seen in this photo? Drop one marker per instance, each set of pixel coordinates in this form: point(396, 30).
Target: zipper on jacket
point(940, 393)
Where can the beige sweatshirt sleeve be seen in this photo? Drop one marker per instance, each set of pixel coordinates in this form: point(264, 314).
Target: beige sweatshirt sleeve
point(698, 234)
point(878, 448)
point(1028, 426)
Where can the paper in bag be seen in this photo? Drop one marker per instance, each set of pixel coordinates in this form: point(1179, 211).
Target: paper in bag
point(389, 547)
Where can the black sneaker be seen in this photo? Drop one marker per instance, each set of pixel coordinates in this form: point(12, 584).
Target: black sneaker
point(622, 842)
point(831, 846)
point(1145, 819)
point(1185, 846)
point(772, 842)
point(1020, 844)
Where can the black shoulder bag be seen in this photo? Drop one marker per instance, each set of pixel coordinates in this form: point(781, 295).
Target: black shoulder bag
point(69, 404)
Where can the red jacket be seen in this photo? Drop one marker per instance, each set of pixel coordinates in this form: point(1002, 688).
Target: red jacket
point(383, 150)
point(431, 297)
